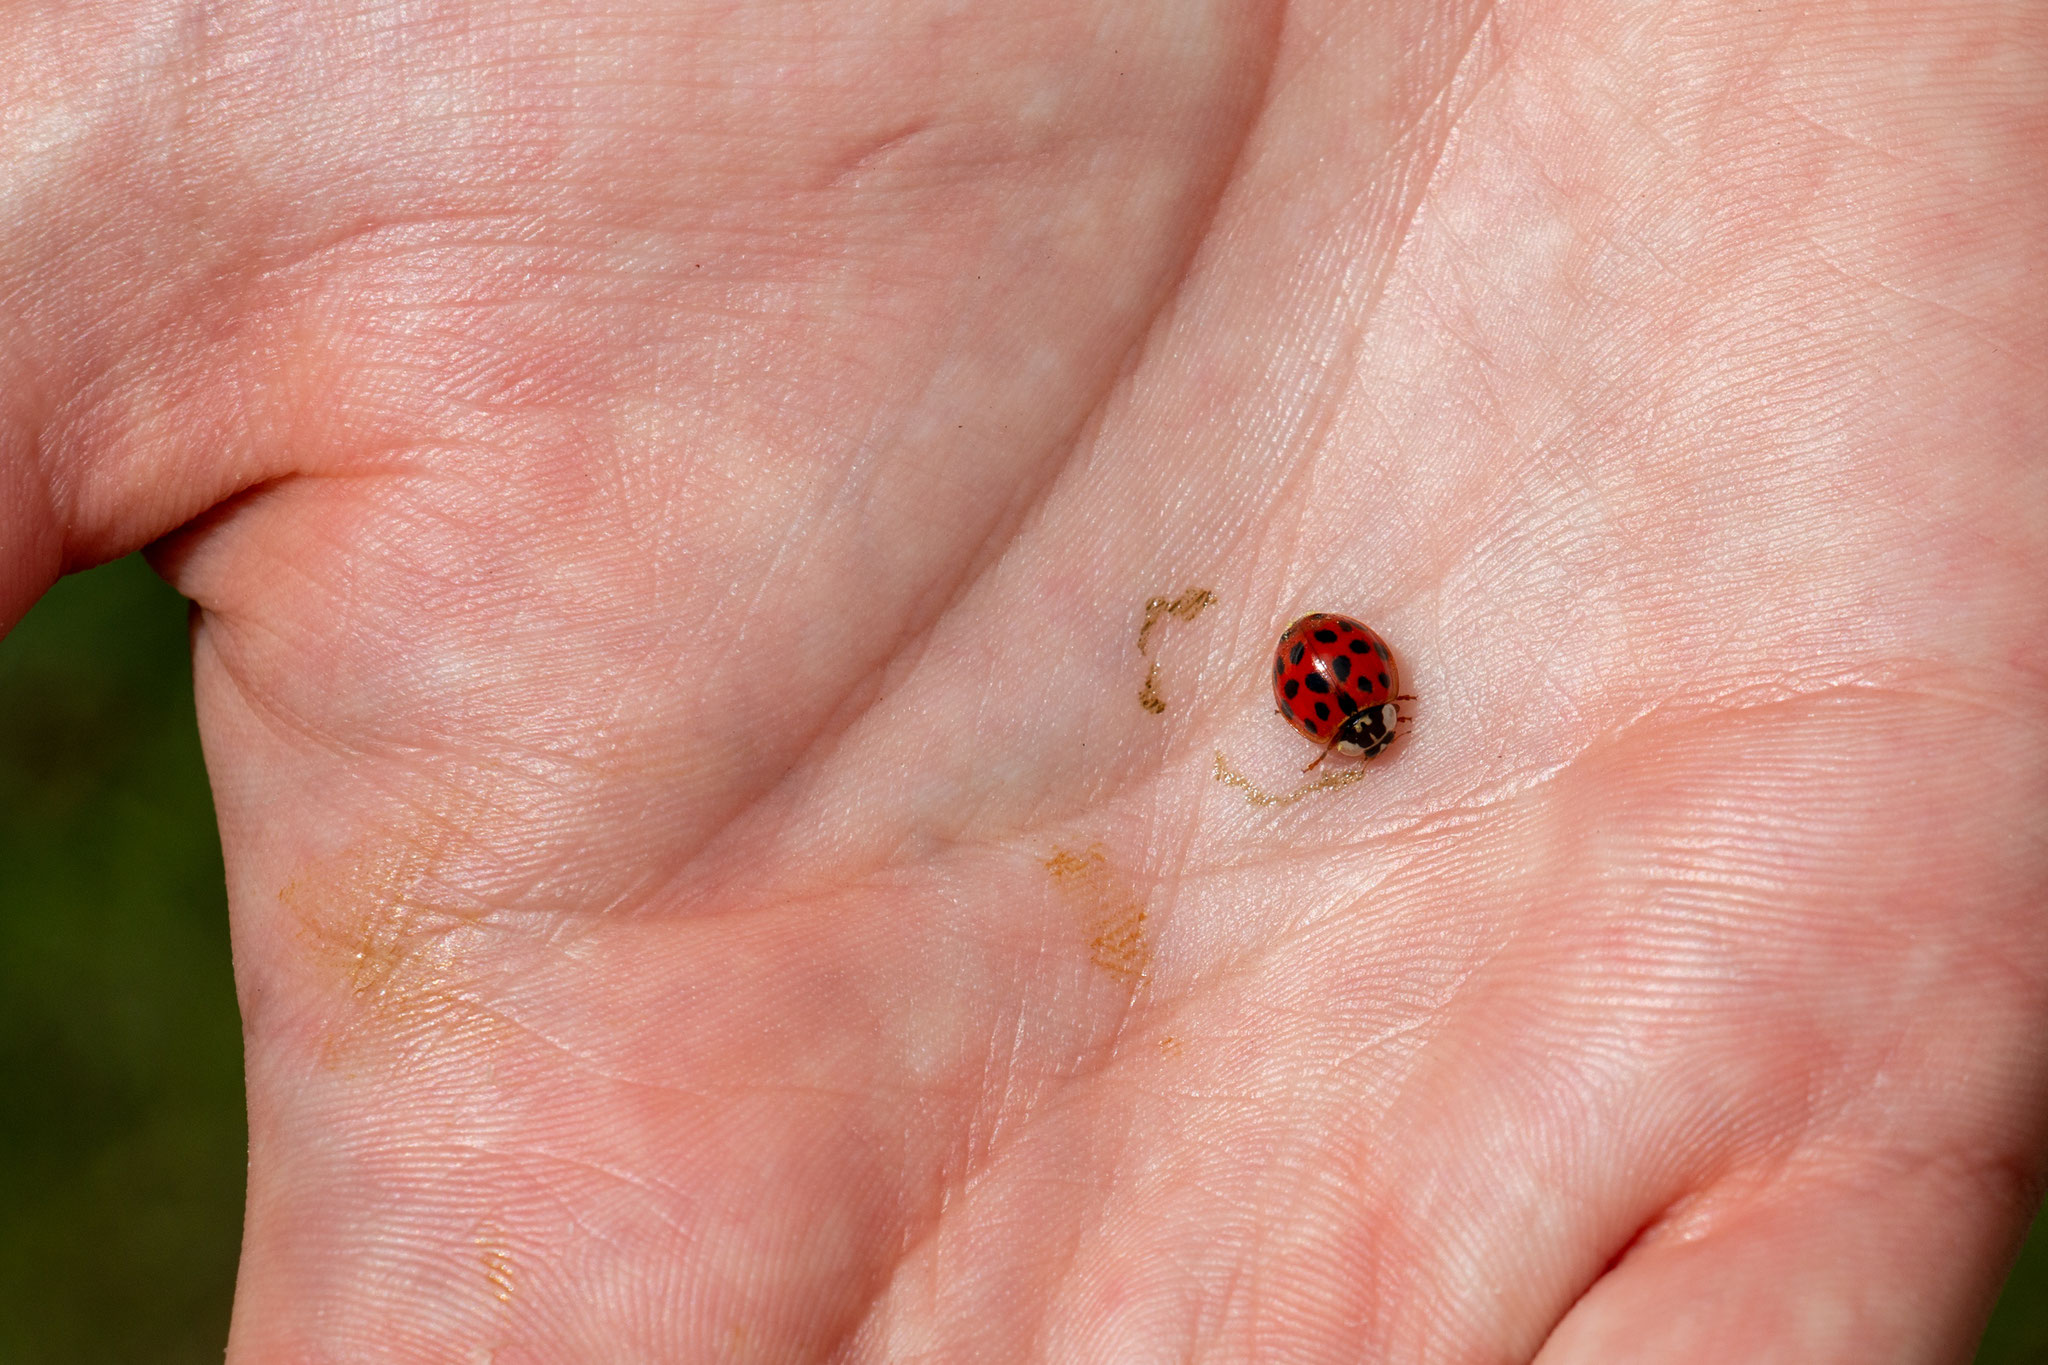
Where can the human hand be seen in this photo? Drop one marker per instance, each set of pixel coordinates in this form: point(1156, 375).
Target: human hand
point(671, 491)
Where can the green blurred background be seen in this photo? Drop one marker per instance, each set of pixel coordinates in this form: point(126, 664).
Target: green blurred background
point(121, 1134)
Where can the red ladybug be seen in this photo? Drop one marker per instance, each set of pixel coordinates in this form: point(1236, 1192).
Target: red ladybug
point(1334, 681)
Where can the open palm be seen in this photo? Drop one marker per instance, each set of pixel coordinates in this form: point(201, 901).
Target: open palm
point(672, 492)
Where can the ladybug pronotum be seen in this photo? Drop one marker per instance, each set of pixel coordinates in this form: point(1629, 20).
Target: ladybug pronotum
point(1334, 680)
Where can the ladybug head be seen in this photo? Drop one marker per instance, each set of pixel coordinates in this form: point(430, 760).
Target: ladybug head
point(1367, 731)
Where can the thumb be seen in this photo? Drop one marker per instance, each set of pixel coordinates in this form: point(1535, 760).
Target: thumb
point(1850, 1260)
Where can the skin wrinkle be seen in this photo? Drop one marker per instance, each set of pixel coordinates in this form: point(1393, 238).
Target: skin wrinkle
point(1104, 1048)
point(1703, 719)
point(1281, 944)
point(912, 633)
point(1462, 810)
point(1312, 435)
point(993, 1156)
point(1631, 1233)
point(974, 1164)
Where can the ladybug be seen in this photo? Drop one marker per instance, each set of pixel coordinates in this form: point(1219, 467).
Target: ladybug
point(1334, 681)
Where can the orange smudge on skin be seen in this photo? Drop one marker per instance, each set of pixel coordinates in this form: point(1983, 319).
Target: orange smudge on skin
point(1259, 796)
point(1119, 942)
point(377, 920)
point(1148, 695)
point(495, 1252)
point(1185, 607)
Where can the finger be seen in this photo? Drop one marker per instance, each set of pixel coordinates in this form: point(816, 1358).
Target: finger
point(34, 553)
point(1875, 1262)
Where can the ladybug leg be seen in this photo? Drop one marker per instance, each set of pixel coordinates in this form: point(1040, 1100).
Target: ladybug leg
point(1324, 754)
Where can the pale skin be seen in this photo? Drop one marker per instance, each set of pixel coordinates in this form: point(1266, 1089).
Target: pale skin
point(669, 491)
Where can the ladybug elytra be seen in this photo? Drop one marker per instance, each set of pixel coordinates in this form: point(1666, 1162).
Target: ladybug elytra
point(1334, 680)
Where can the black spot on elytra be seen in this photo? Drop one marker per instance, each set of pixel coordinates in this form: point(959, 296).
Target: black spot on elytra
point(1278, 666)
point(1341, 666)
point(1293, 687)
point(1328, 637)
point(1347, 703)
point(1294, 655)
point(1316, 682)
point(1359, 646)
point(1322, 710)
point(1383, 680)
point(1379, 649)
